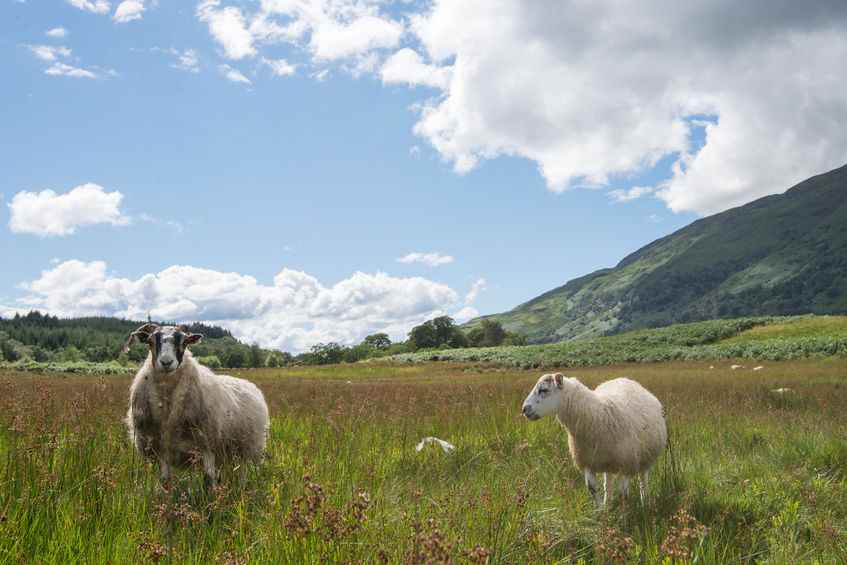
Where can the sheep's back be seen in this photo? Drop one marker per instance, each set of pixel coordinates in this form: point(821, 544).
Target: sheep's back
point(637, 421)
point(242, 414)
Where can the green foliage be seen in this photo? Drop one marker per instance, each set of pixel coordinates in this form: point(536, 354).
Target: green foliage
point(438, 332)
point(210, 361)
point(710, 340)
point(45, 338)
point(378, 341)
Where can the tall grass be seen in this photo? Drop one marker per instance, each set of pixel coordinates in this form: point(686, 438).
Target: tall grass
point(751, 476)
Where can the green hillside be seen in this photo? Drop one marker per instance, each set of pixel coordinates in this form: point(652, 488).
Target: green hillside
point(780, 255)
point(758, 339)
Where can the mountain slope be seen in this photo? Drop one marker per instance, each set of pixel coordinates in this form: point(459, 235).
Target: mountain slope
point(782, 254)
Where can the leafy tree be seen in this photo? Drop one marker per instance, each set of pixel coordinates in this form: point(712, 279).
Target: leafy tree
point(325, 354)
point(378, 341)
point(256, 356)
point(423, 337)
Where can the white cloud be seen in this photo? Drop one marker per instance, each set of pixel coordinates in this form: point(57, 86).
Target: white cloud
point(63, 69)
point(49, 53)
point(128, 10)
point(434, 259)
point(186, 60)
point(280, 67)
point(56, 32)
point(596, 91)
point(293, 313)
point(228, 27)
point(95, 6)
point(621, 195)
point(329, 30)
point(233, 74)
point(476, 288)
point(407, 67)
point(47, 213)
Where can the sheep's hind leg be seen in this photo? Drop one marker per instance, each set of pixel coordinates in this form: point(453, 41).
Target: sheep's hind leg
point(591, 483)
point(164, 471)
point(642, 485)
point(209, 472)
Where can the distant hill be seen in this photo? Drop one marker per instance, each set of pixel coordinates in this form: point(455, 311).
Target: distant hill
point(42, 337)
point(779, 255)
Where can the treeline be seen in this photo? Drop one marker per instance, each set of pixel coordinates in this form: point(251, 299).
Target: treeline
point(48, 339)
point(41, 338)
point(436, 334)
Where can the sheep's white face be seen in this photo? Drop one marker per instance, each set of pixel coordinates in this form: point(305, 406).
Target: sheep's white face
point(167, 344)
point(544, 397)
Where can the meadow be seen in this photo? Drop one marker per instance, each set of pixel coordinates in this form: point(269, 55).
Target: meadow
point(751, 475)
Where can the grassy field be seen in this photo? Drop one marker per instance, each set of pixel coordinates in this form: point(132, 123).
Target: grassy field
point(752, 476)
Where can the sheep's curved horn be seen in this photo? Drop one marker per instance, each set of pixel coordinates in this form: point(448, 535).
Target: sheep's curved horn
point(142, 334)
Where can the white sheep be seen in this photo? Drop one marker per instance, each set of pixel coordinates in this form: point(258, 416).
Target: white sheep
point(616, 429)
point(179, 409)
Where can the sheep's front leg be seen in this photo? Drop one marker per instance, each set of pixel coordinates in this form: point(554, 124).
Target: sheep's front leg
point(209, 471)
point(591, 483)
point(623, 486)
point(608, 487)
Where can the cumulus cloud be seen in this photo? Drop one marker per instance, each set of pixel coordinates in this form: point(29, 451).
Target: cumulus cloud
point(186, 60)
point(294, 312)
point(128, 10)
point(53, 54)
point(621, 195)
point(280, 67)
point(596, 91)
point(328, 30)
point(95, 6)
point(49, 53)
point(476, 288)
point(233, 74)
point(228, 27)
point(56, 32)
point(407, 67)
point(63, 69)
point(434, 259)
point(47, 213)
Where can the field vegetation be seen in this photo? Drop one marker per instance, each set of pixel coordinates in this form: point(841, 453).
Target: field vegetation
point(752, 476)
point(769, 338)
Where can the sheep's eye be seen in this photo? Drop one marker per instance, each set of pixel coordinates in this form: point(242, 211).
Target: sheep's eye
point(543, 391)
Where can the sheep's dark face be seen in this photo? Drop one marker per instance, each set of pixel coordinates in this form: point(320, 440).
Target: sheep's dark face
point(544, 398)
point(167, 344)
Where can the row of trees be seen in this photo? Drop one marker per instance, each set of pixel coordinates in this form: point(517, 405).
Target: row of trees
point(438, 333)
point(44, 338)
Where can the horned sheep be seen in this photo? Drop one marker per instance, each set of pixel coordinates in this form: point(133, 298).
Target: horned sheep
point(616, 429)
point(180, 409)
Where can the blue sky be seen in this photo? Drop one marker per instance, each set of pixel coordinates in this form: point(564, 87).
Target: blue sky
point(337, 168)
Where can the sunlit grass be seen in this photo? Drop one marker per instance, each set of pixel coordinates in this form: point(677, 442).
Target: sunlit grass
point(750, 476)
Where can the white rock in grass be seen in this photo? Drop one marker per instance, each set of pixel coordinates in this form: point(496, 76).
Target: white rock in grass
point(759, 368)
point(734, 367)
point(445, 446)
point(783, 390)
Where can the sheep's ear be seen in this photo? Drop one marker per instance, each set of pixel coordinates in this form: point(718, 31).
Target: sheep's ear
point(560, 380)
point(141, 334)
point(191, 339)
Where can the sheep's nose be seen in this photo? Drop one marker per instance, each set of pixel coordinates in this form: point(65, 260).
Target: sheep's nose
point(166, 364)
point(526, 410)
